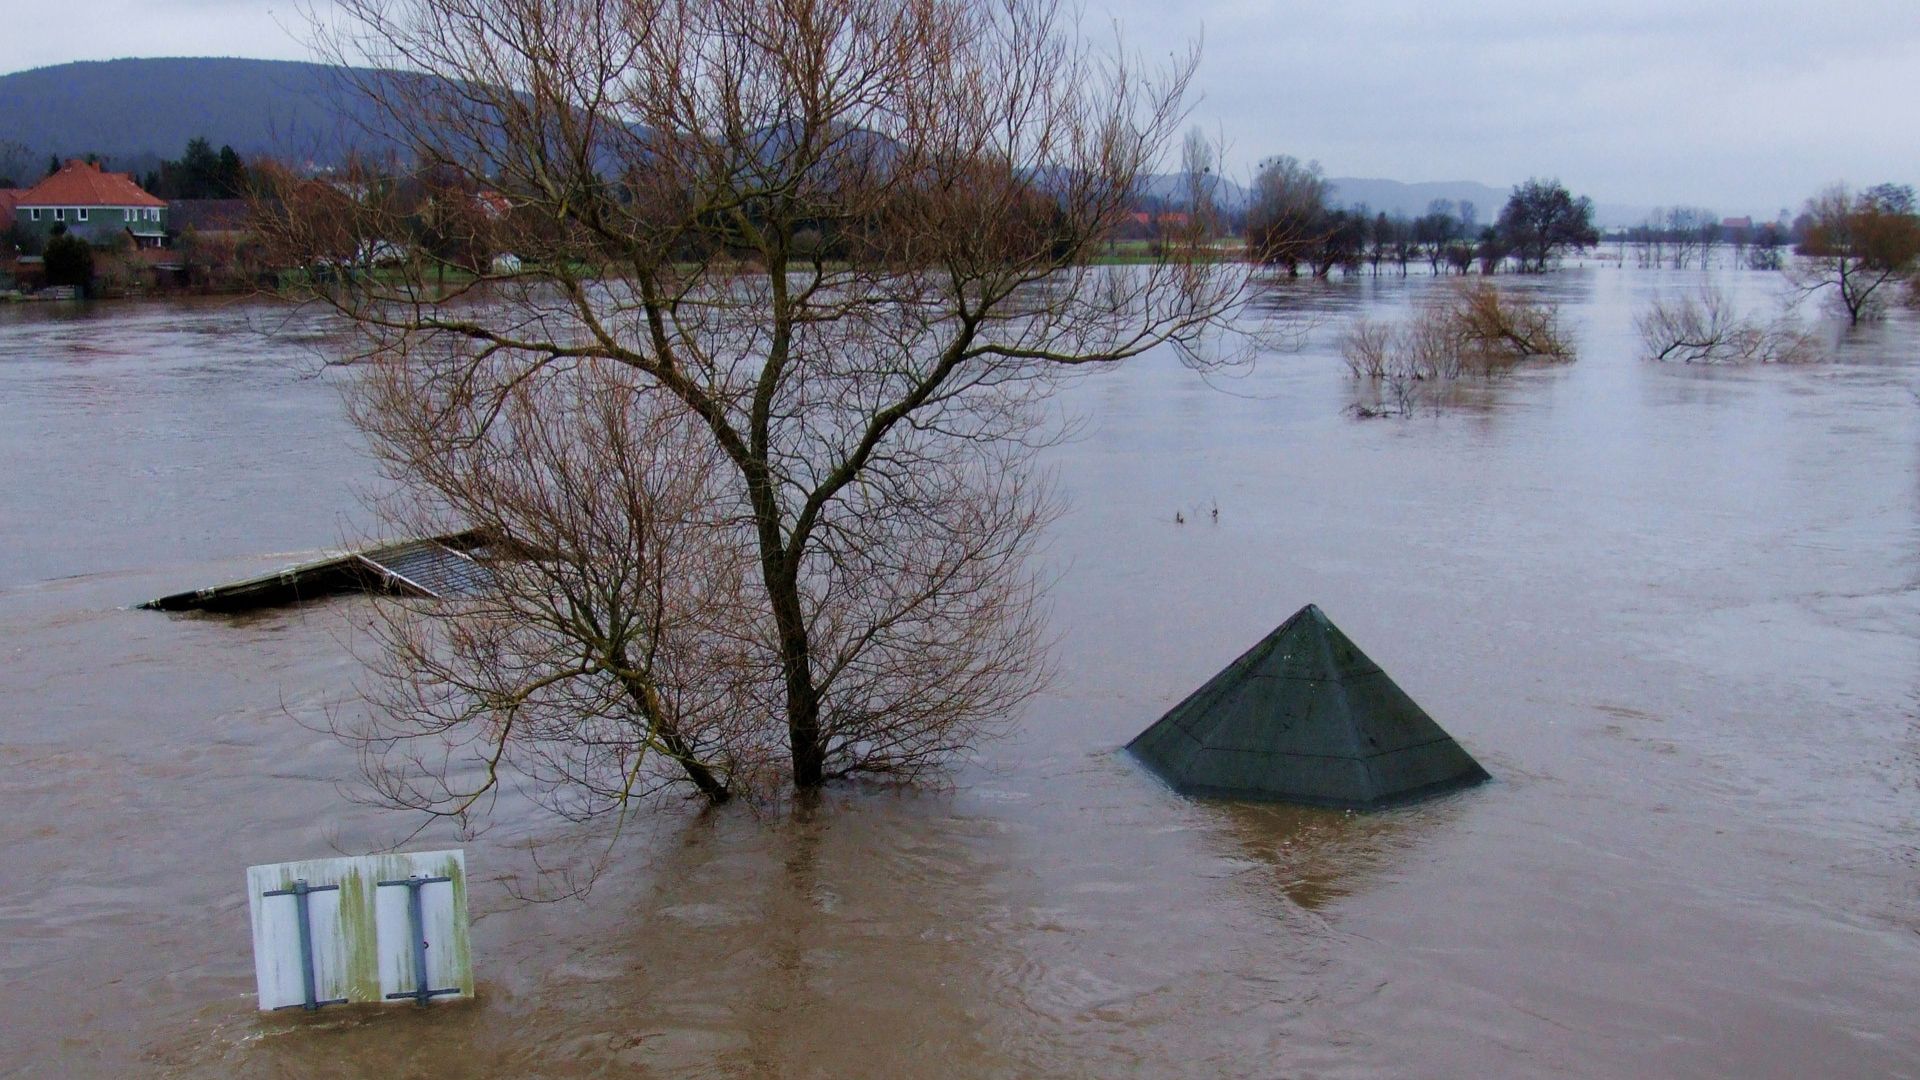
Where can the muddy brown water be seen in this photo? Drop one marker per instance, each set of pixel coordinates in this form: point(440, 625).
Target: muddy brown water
point(1675, 611)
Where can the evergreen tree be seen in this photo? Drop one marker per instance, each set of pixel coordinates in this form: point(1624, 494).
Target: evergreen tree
point(196, 175)
point(69, 261)
point(231, 174)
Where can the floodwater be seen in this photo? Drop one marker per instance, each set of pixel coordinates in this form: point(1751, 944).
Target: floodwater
point(1675, 611)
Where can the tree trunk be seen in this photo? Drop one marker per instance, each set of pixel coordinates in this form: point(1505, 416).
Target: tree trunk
point(703, 778)
point(780, 572)
point(804, 745)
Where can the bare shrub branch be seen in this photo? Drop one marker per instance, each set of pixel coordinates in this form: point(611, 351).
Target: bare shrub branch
point(1472, 329)
point(1497, 329)
point(1706, 329)
point(1368, 348)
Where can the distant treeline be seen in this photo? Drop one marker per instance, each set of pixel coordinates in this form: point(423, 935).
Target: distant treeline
point(1290, 225)
point(201, 172)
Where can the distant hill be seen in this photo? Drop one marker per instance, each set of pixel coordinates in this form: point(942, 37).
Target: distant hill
point(1170, 190)
point(135, 112)
point(1411, 200)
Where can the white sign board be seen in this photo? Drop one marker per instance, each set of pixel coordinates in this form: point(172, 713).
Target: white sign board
point(368, 928)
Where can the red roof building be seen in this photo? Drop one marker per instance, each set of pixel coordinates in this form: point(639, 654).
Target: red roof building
point(93, 203)
point(79, 183)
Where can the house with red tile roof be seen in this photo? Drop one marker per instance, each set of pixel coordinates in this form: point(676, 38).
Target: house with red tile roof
point(92, 203)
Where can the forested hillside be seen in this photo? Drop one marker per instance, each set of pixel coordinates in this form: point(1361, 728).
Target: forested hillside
point(133, 113)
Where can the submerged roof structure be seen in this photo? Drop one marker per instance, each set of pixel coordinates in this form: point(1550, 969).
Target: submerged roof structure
point(434, 567)
point(1306, 717)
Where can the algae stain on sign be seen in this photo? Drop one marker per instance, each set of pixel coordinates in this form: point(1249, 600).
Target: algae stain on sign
point(356, 904)
point(360, 935)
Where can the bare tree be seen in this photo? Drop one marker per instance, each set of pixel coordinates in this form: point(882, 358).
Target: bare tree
point(1854, 244)
point(1199, 157)
point(1767, 241)
point(846, 243)
point(1707, 329)
point(1287, 216)
point(1405, 243)
point(1460, 256)
point(1690, 232)
point(1434, 230)
point(1739, 237)
point(605, 657)
point(1340, 240)
point(1649, 239)
point(1541, 219)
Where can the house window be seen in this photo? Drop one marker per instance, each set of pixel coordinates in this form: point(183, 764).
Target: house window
point(35, 212)
point(82, 212)
point(59, 213)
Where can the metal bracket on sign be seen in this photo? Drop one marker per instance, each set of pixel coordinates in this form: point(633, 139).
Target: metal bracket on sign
point(417, 924)
point(300, 891)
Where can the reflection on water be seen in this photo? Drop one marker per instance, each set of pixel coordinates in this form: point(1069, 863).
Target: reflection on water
point(1675, 611)
point(1310, 857)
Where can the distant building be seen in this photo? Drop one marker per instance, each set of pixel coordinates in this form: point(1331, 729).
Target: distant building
point(1735, 223)
point(97, 205)
point(1150, 224)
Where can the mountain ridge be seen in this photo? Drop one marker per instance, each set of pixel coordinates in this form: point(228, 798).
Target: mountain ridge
point(135, 112)
point(132, 112)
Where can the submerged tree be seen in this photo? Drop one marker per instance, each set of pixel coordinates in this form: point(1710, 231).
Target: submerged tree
point(1466, 329)
point(1541, 219)
point(1708, 329)
point(793, 283)
point(1287, 214)
point(1854, 244)
point(1766, 242)
point(603, 658)
point(1691, 232)
point(1436, 229)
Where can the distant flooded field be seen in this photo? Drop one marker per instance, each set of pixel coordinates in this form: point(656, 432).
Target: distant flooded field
point(1674, 610)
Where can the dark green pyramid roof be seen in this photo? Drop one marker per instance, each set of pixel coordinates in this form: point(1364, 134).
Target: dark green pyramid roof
point(1305, 717)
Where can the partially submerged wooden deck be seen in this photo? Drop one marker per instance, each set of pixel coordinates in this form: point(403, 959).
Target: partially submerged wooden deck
point(435, 567)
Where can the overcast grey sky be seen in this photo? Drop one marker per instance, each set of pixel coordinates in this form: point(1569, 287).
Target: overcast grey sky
point(1738, 105)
